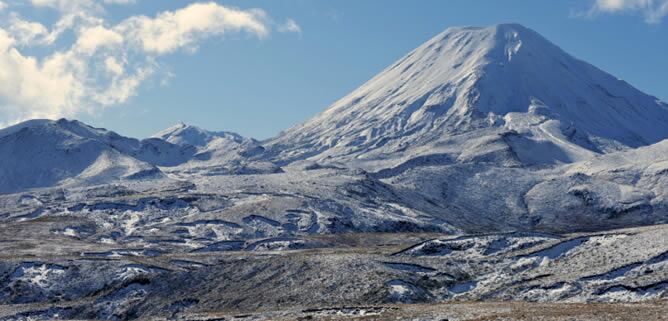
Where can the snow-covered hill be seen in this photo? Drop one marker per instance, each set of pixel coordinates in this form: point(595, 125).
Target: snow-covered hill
point(47, 153)
point(218, 153)
point(44, 153)
point(505, 85)
point(626, 188)
point(182, 134)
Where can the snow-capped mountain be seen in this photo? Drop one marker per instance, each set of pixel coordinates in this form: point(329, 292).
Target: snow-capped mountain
point(183, 134)
point(504, 89)
point(43, 153)
point(498, 112)
point(153, 151)
point(218, 153)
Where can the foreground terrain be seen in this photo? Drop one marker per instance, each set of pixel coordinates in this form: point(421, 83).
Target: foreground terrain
point(313, 276)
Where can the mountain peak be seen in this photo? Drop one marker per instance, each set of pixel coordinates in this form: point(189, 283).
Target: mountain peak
point(43, 153)
point(184, 134)
point(176, 127)
point(469, 78)
point(63, 125)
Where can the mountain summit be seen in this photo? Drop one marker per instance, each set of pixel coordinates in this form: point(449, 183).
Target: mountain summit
point(43, 153)
point(183, 134)
point(503, 79)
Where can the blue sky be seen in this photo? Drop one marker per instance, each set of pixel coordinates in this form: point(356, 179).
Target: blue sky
point(273, 68)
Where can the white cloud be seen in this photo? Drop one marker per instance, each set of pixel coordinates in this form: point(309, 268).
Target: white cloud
point(26, 32)
point(105, 63)
point(32, 33)
point(170, 31)
point(114, 66)
point(35, 89)
point(652, 10)
point(3, 5)
point(290, 26)
point(72, 21)
point(90, 39)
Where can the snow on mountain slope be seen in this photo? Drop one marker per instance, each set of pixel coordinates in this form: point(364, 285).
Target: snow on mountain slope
point(634, 179)
point(218, 153)
point(496, 80)
point(625, 188)
point(44, 153)
point(152, 150)
point(182, 134)
point(644, 160)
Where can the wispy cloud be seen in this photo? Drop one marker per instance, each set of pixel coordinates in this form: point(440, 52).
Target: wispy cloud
point(105, 63)
point(652, 10)
point(170, 31)
point(290, 26)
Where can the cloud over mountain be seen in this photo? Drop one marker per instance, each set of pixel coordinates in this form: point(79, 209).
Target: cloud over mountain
point(46, 73)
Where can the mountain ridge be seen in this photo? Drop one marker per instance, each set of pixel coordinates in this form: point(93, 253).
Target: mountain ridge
point(43, 153)
point(184, 134)
point(513, 167)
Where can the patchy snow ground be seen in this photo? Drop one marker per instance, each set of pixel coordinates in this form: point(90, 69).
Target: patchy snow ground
point(160, 276)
